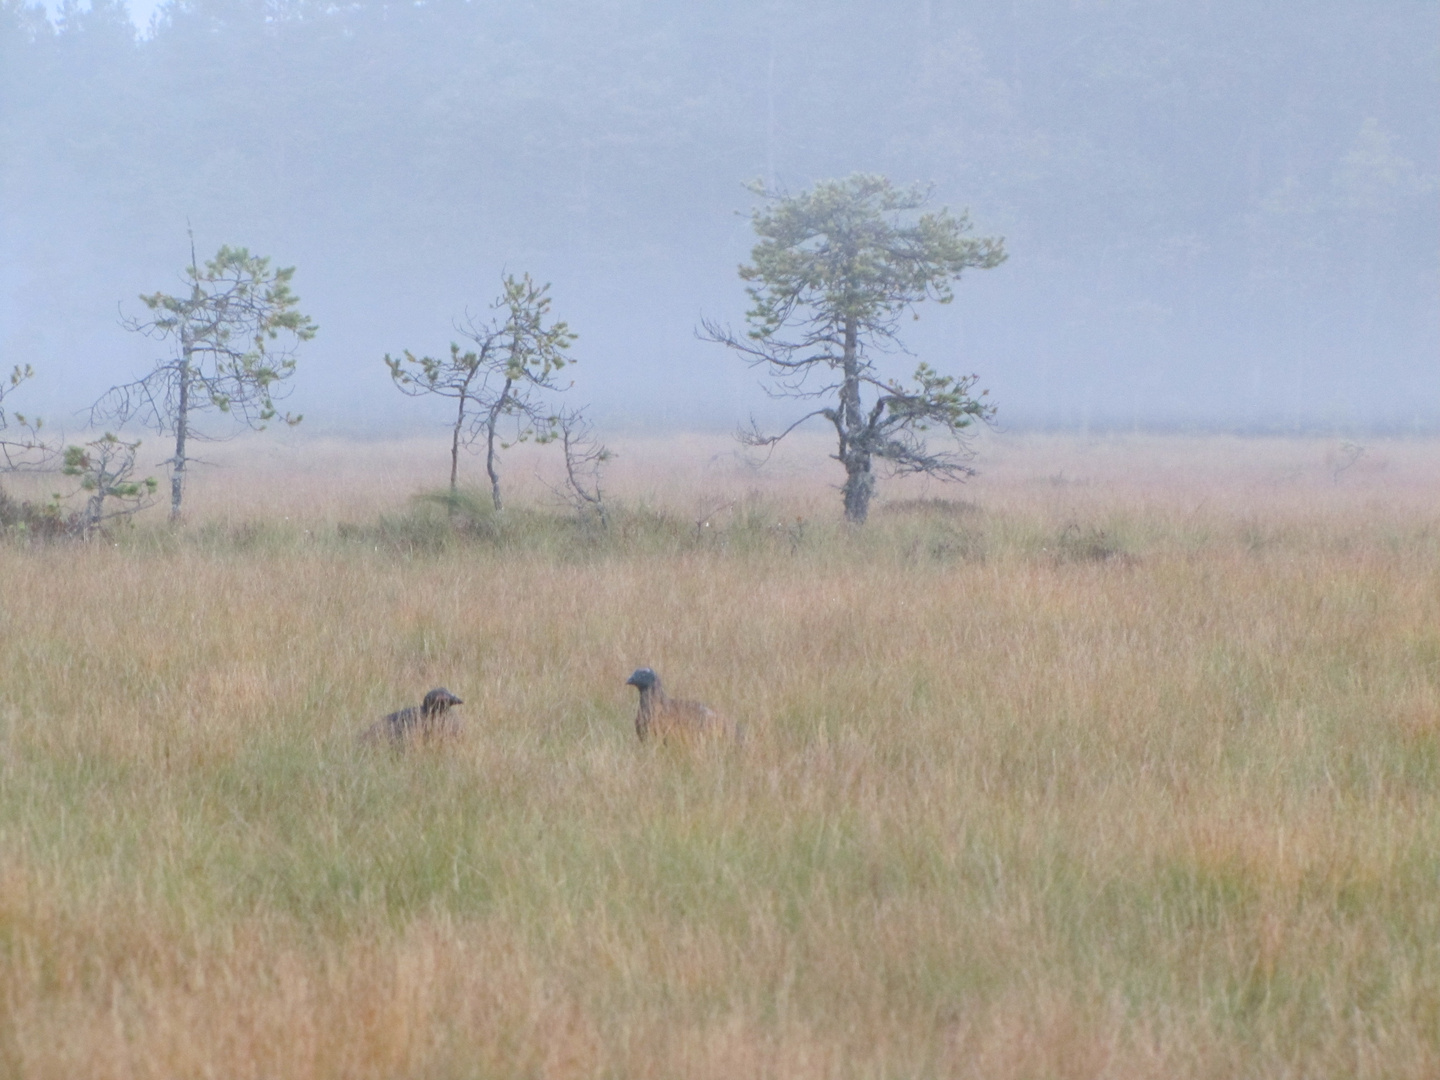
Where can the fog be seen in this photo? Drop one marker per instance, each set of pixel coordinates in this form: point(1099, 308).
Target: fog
point(1219, 215)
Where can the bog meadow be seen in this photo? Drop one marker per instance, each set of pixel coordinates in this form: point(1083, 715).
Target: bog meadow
point(1119, 760)
point(1116, 758)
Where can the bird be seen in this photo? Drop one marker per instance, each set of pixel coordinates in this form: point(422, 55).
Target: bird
point(664, 717)
point(430, 721)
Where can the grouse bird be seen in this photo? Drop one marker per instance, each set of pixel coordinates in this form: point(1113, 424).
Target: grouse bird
point(430, 721)
point(663, 717)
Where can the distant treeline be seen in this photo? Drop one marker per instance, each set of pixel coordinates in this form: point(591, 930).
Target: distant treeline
point(1228, 183)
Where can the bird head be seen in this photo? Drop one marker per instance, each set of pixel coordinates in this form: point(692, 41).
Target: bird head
point(644, 678)
point(439, 699)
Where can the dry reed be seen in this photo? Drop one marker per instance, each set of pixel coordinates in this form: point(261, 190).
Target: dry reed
point(1129, 769)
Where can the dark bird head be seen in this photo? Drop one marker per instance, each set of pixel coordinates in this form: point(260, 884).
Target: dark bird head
point(644, 678)
point(438, 700)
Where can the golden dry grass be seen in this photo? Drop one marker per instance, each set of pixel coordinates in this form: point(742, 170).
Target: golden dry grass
point(1127, 767)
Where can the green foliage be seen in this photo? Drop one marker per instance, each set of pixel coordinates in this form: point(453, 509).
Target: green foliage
point(237, 307)
point(427, 374)
point(533, 349)
point(18, 375)
point(25, 447)
point(105, 467)
point(844, 251)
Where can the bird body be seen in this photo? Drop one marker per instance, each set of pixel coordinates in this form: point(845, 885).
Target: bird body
point(431, 720)
point(665, 718)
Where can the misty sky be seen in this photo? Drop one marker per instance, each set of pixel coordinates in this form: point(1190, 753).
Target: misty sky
point(1219, 214)
point(140, 11)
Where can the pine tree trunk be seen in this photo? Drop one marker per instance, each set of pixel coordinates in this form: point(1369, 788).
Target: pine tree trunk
point(182, 429)
point(492, 465)
point(854, 452)
point(455, 453)
point(491, 469)
point(859, 486)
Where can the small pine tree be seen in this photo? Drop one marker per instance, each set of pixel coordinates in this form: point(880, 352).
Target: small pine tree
point(234, 334)
point(105, 467)
point(835, 269)
point(498, 385)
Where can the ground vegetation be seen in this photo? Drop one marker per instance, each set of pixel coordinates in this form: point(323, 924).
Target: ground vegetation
point(1124, 766)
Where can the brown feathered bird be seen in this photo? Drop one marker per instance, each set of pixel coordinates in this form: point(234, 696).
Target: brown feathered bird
point(664, 718)
point(428, 722)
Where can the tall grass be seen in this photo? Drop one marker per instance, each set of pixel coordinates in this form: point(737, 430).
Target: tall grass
point(1098, 772)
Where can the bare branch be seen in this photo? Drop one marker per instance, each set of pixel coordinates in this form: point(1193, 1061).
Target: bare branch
point(585, 459)
point(753, 437)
